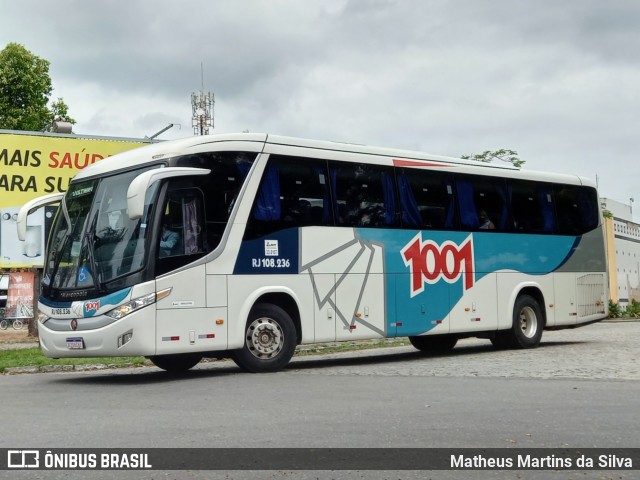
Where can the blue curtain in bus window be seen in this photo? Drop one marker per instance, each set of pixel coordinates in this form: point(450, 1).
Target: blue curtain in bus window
point(410, 212)
point(268, 204)
point(389, 199)
point(546, 208)
point(468, 213)
point(339, 216)
point(243, 167)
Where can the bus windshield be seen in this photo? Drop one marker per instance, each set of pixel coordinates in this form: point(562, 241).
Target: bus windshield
point(93, 241)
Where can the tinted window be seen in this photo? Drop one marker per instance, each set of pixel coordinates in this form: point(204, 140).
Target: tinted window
point(294, 192)
point(182, 220)
point(221, 187)
point(483, 203)
point(426, 199)
point(532, 206)
point(364, 195)
point(577, 209)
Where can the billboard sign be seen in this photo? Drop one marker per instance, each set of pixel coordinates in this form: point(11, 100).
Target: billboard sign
point(20, 295)
point(35, 164)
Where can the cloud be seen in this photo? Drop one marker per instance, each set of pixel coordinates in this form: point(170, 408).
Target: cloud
point(556, 81)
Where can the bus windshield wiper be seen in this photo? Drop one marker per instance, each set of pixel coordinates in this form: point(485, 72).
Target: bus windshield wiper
point(97, 273)
point(90, 239)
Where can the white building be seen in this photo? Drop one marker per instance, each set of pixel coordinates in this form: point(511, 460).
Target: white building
point(623, 245)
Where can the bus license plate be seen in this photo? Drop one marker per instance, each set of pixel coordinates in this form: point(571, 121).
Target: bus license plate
point(76, 343)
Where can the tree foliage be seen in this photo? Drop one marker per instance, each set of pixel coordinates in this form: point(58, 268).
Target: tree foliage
point(60, 112)
point(504, 155)
point(25, 88)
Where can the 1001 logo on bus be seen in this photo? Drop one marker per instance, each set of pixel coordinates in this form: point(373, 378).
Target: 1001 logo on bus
point(430, 262)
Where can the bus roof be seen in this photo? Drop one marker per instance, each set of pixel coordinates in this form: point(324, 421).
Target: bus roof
point(257, 142)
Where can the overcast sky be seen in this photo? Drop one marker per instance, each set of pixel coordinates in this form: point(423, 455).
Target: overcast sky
point(557, 81)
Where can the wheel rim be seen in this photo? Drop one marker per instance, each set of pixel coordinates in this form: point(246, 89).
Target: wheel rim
point(528, 322)
point(265, 338)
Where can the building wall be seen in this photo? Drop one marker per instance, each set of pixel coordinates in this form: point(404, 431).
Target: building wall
point(623, 247)
point(611, 259)
point(627, 243)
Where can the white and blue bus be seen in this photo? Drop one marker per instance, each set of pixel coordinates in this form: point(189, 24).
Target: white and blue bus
point(248, 245)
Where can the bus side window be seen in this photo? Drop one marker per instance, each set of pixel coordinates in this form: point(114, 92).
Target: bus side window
point(577, 209)
point(171, 232)
point(364, 195)
point(483, 196)
point(532, 206)
point(426, 199)
point(221, 188)
point(294, 192)
point(183, 224)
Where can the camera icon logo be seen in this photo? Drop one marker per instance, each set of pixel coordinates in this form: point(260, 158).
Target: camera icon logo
point(23, 459)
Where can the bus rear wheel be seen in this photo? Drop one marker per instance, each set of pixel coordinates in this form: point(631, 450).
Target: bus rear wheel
point(434, 343)
point(269, 340)
point(526, 330)
point(176, 363)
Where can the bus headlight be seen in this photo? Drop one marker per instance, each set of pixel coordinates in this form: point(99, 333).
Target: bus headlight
point(136, 304)
point(42, 317)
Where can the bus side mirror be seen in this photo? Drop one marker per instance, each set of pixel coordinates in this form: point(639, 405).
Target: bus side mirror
point(30, 206)
point(139, 186)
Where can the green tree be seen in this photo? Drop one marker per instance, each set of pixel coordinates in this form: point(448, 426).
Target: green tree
point(504, 155)
point(60, 112)
point(25, 88)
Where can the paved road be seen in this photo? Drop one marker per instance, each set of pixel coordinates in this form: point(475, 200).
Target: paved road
point(579, 389)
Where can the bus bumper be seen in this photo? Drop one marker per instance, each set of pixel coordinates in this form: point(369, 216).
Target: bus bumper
point(132, 335)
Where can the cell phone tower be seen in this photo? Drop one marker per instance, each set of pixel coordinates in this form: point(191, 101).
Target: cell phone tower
point(202, 110)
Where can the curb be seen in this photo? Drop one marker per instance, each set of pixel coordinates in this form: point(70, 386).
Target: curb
point(314, 349)
point(68, 368)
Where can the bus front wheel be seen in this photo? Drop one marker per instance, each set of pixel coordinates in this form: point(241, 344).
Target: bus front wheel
point(269, 340)
point(526, 330)
point(176, 363)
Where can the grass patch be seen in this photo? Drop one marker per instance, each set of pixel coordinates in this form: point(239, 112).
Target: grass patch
point(28, 357)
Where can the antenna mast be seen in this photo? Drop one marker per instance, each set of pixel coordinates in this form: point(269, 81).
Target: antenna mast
point(202, 109)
